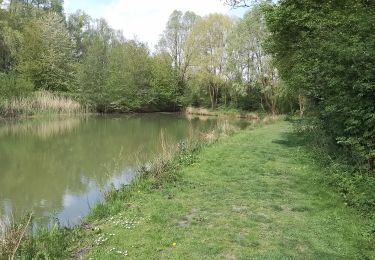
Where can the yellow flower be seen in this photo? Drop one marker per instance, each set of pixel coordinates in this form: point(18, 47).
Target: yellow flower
point(174, 244)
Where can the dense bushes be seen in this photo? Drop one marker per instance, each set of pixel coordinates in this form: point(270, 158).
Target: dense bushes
point(355, 185)
point(325, 51)
point(13, 86)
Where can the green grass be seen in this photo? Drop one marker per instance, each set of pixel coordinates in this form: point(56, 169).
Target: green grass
point(255, 195)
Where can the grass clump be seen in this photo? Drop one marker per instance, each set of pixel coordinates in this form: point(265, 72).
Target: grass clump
point(12, 234)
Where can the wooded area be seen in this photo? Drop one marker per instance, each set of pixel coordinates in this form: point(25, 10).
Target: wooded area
point(202, 61)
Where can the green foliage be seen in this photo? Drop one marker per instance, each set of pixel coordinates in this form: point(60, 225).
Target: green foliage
point(252, 70)
point(114, 74)
point(356, 186)
point(325, 51)
point(129, 76)
point(164, 84)
point(210, 61)
point(208, 38)
point(174, 42)
point(47, 244)
point(47, 56)
point(13, 86)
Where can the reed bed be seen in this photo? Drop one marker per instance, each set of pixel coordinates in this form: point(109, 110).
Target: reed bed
point(40, 102)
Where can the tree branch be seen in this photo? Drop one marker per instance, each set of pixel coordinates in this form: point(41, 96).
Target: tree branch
point(243, 3)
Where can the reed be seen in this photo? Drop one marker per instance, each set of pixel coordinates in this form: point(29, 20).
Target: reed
point(12, 234)
point(40, 102)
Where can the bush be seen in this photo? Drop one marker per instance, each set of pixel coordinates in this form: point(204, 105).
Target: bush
point(355, 185)
point(325, 51)
point(13, 86)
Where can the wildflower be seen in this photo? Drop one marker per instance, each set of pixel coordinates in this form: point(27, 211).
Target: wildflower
point(174, 244)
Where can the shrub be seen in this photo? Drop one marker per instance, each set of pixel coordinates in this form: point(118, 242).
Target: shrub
point(14, 86)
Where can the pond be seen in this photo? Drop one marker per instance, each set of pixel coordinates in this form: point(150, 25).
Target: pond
point(59, 167)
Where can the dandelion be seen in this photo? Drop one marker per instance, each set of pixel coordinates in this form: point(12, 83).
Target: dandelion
point(174, 244)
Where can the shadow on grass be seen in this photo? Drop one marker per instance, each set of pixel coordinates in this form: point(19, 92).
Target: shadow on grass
point(342, 173)
point(291, 139)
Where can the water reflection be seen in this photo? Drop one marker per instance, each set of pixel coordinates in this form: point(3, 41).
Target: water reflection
point(62, 165)
point(46, 128)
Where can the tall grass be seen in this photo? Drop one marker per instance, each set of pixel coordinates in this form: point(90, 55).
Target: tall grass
point(11, 235)
point(40, 102)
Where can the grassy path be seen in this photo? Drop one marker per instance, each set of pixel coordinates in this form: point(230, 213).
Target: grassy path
point(251, 196)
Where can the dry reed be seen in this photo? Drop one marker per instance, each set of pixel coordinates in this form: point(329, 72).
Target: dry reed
point(11, 235)
point(40, 102)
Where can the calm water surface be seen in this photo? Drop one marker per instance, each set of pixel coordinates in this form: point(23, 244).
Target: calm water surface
point(60, 167)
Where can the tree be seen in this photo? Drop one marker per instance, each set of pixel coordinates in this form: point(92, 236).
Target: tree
point(173, 41)
point(129, 76)
point(245, 3)
point(47, 56)
point(93, 69)
point(164, 84)
point(208, 39)
point(249, 63)
point(79, 27)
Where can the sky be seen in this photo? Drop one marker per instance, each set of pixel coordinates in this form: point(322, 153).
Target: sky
point(145, 20)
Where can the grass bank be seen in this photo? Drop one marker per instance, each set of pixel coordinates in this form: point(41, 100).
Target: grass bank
point(256, 195)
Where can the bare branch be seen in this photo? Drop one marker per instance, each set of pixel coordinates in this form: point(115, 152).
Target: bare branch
point(243, 3)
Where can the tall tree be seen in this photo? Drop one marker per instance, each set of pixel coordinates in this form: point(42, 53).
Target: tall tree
point(249, 62)
point(164, 84)
point(79, 27)
point(93, 69)
point(208, 39)
point(173, 41)
point(129, 76)
point(48, 54)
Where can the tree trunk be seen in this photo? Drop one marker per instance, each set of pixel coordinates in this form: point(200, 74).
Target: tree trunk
point(301, 103)
point(211, 95)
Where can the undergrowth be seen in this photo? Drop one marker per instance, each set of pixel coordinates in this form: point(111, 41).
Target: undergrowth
point(346, 174)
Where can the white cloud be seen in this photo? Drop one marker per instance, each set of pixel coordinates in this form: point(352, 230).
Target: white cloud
point(146, 20)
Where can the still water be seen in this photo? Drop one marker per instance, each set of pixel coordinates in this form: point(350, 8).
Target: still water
point(60, 167)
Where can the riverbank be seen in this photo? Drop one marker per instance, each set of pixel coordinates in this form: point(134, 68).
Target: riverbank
point(255, 194)
point(251, 195)
point(229, 113)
